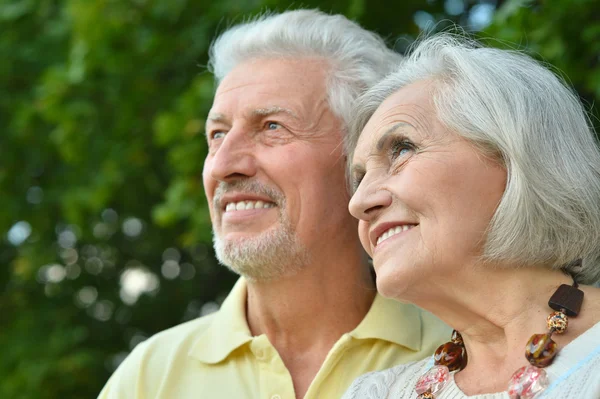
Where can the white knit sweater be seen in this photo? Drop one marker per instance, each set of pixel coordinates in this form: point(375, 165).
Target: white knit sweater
point(575, 373)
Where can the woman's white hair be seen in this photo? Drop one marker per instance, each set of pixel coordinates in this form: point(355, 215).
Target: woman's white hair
point(358, 58)
point(519, 112)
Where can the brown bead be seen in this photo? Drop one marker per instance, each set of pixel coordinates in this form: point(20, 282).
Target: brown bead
point(568, 299)
point(450, 355)
point(426, 395)
point(540, 350)
point(557, 322)
point(457, 338)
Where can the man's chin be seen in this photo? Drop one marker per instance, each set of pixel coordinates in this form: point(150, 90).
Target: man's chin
point(239, 237)
point(267, 257)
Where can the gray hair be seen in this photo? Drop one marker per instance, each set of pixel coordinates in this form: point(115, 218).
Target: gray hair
point(358, 58)
point(523, 115)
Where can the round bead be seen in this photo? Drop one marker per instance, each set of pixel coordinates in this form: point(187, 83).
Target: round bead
point(450, 355)
point(540, 350)
point(527, 382)
point(558, 322)
point(457, 338)
point(433, 380)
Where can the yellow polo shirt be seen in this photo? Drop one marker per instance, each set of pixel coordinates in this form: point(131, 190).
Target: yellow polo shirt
point(216, 357)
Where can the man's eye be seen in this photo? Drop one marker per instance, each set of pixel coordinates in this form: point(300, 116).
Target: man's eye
point(216, 135)
point(273, 125)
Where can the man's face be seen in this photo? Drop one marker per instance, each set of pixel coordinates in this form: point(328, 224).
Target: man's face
point(274, 175)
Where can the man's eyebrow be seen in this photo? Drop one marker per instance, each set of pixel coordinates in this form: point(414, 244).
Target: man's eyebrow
point(273, 110)
point(390, 132)
point(216, 117)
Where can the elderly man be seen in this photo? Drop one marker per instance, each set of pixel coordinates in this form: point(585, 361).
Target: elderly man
point(304, 319)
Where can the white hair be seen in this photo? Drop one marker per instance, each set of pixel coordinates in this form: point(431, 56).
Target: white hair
point(358, 58)
point(527, 118)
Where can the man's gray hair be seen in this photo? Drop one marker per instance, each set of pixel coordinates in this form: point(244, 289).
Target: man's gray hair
point(523, 115)
point(358, 58)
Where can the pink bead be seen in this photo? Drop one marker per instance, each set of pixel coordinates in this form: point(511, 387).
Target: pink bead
point(433, 380)
point(527, 382)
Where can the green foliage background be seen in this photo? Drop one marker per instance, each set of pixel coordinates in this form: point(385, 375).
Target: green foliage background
point(106, 237)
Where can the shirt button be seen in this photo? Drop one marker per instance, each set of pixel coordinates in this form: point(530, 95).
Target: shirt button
point(275, 397)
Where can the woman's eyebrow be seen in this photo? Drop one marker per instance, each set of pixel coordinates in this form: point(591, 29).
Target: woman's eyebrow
point(389, 132)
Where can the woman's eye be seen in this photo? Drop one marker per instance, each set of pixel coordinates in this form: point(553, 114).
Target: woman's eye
point(401, 149)
point(356, 182)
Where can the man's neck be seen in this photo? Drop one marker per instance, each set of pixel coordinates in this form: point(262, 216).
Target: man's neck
point(305, 314)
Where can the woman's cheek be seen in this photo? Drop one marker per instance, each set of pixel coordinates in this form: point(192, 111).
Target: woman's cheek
point(363, 233)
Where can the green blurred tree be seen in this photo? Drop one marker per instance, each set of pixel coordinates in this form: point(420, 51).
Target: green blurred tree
point(563, 33)
point(106, 238)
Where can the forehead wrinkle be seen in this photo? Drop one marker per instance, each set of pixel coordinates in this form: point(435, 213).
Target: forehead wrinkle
point(420, 116)
point(423, 122)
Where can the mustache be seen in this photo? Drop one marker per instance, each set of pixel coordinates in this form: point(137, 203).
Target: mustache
point(247, 187)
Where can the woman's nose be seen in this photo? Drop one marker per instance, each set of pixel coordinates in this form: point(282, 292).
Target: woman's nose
point(368, 201)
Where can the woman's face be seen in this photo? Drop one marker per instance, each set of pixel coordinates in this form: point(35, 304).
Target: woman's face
point(424, 195)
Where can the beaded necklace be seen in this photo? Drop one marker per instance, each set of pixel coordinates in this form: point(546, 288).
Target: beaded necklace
point(526, 382)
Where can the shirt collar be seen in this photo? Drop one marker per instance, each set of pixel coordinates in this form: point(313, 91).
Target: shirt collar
point(392, 321)
point(387, 320)
point(228, 330)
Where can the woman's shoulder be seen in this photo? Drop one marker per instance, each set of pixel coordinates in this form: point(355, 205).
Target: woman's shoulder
point(379, 384)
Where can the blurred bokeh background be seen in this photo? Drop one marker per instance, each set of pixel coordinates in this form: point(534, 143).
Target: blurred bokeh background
point(105, 234)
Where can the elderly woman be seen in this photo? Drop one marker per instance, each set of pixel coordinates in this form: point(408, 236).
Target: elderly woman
point(477, 187)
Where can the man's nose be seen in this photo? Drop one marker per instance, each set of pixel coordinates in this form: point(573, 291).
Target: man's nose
point(234, 158)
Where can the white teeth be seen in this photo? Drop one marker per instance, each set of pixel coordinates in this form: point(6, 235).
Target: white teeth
point(393, 231)
point(243, 205)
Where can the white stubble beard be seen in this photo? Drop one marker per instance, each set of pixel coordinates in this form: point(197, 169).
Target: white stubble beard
point(269, 255)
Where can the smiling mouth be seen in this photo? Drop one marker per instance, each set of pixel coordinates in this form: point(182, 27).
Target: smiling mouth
point(394, 231)
point(244, 205)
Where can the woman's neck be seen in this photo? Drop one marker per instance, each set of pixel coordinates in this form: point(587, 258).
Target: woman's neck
point(496, 311)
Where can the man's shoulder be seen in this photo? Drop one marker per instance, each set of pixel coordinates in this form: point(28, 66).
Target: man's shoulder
point(434, 332)
point(168, 345)
point(409, 320)
point(182, 334)
point(146, 366)
point(191, 327)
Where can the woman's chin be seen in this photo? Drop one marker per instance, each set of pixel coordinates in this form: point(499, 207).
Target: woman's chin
point(394, 282)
